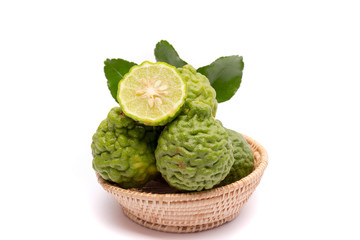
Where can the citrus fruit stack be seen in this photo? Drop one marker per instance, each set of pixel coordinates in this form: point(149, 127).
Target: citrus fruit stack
point(165, 126)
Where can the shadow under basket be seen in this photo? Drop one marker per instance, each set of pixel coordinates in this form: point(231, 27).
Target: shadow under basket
point(188, 212)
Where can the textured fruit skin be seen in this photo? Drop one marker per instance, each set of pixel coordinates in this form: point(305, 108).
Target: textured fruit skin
point(198, 89)
point(244, 159)
point(194, 151)
point(123, 150)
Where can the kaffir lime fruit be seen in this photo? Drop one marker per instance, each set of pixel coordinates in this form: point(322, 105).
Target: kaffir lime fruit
point(194, 151)
point(152, 93)
point(123, 150)
point(198, 89)
point(244, 159)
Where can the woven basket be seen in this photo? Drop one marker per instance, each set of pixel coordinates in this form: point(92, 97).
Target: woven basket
point(189, 212)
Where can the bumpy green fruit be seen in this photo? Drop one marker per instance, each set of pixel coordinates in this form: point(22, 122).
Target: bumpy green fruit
point(123, 150)
point(244, 159)
point(198, 89)
point(194, 151)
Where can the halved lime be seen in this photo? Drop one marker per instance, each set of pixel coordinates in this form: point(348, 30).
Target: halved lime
point(152, 93)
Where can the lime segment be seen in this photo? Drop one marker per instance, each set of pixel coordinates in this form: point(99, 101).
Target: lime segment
point(152, 93)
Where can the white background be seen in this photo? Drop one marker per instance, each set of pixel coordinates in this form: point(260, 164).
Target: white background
point(299, 98)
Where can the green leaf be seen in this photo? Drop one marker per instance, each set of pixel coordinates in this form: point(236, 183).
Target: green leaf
point(225, 75)
point(164, 52)
point(115, 69)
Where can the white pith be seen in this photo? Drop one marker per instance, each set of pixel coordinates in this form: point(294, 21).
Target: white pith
point(153, 90)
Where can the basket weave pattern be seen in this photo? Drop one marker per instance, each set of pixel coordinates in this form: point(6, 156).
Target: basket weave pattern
point(190, 212)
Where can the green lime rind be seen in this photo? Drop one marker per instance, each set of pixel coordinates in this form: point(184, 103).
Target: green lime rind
point(198, 89)
point(123, 150)
point(244, 159)
point(166, 118)
point(194, 152)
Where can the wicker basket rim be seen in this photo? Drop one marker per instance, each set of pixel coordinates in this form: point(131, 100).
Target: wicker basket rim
point(206, 194)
